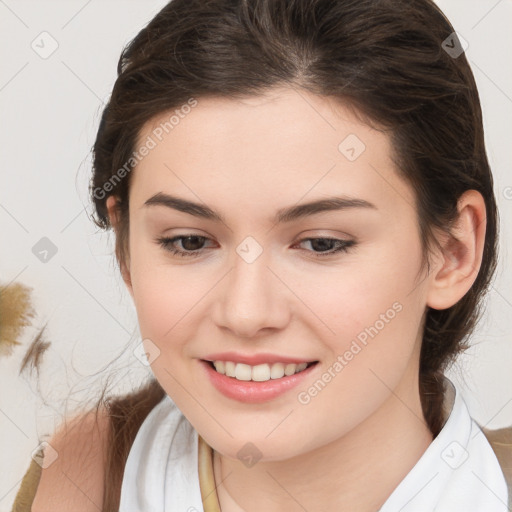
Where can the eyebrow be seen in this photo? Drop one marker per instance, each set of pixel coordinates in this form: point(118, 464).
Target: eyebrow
point(283, 215)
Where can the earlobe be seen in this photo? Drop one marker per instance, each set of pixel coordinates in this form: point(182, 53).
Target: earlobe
point(461, 256)
point(123, 259)
point(111, 210)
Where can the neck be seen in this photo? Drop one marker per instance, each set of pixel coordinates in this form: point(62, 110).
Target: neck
point(358, 471)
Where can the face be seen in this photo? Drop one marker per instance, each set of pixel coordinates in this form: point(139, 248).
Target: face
point(339, 286)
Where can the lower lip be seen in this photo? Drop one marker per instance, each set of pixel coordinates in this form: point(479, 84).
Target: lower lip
point(249, 391)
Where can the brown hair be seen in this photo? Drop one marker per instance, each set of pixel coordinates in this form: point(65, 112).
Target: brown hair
point(385, 58)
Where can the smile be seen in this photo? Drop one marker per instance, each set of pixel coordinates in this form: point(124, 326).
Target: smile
point(258, 373)
point(239, 381)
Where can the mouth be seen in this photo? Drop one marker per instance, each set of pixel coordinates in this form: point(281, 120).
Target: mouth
point(259, 383)
point(258, 373)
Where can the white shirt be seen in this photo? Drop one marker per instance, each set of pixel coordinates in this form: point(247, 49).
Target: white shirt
point(458, 472)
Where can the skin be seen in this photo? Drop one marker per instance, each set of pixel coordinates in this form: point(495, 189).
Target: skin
point(247, 159)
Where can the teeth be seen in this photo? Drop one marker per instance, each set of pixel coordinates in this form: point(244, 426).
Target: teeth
point(258, 373)
point(230, 368)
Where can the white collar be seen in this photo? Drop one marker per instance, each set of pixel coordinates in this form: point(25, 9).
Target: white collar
point(161, 472)
point(458, 472)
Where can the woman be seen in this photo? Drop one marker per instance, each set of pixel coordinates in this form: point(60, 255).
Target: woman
point(305, 220)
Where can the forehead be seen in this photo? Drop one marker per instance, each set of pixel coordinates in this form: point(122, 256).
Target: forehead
point(280, 147)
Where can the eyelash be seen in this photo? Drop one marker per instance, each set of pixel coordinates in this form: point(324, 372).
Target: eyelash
point(166, 243)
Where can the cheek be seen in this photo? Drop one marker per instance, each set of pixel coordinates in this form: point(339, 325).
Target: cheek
point(162, 293)
point(373, 308)
point(164, 302)
point(377, 287)
point(376, 321)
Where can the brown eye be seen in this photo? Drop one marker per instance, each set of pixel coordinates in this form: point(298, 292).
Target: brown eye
point(192, 245)
point(328, 246)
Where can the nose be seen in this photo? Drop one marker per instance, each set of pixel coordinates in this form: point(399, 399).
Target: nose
point(251, 298)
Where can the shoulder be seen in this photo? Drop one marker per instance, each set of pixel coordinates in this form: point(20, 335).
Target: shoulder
point(74, 480)
point(501, 442)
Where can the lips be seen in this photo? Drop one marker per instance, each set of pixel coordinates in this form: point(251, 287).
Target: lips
point(249, 391)
point(255, 359)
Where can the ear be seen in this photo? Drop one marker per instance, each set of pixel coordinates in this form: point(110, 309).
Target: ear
point(459, 263)
point(123, 260)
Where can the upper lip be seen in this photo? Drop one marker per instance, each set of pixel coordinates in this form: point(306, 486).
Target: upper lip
point(255, 359)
